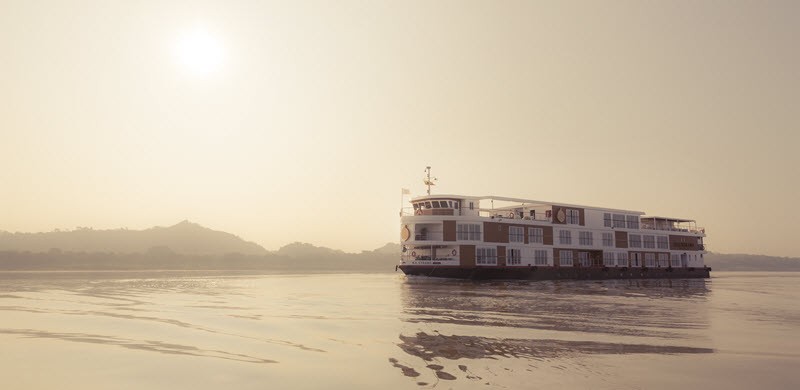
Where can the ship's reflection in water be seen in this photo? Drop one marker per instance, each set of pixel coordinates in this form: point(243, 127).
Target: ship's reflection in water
point(546, 321)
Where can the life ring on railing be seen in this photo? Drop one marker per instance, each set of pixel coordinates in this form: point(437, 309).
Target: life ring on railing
point(414, 253)
point(453, 252)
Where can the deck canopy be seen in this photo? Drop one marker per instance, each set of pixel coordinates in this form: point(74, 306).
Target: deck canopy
point(669, 223)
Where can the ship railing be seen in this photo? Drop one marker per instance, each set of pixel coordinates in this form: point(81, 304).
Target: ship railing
point(681, 229)
point(410, 212)
point(429, 237)
point(498, 214)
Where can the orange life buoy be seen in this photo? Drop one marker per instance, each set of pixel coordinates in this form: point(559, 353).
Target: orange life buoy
point(414, 254)
point(453, 252)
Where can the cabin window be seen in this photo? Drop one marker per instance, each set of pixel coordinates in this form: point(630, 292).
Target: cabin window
point(565, 258)
point(455, 205)
point(622, 259)
point(585, 238)
point(663, 260)
point(662, 242)
point(608, 239)
point(583, 257)
point(632, 221)
point(514, 256)
point(486, 256)
point(565, 237)
point(436, 204)
point(649, 241)
point(634, 241)
point(535, 236)
point(619, 221)
point(516, 234)
point(607, 219)
point(468, 231)
point(573, 217)
point(428, 205)
point(540, 257)
point(471, 205)
point(608, 259)
point(650, 260)
point(635, 260)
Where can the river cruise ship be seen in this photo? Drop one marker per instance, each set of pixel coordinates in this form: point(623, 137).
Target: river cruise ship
point(470, 237)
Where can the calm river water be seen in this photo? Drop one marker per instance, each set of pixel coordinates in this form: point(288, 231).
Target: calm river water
point(365, 331)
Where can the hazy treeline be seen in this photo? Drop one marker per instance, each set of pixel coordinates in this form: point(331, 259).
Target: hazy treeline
point(185, 246)
point(165, 259)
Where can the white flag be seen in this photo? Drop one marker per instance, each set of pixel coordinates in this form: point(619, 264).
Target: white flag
point(406, 191)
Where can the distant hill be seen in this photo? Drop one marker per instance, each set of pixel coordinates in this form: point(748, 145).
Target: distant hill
point(389, 249)
point(301, 249)
point(183, 238)
point(184, 246)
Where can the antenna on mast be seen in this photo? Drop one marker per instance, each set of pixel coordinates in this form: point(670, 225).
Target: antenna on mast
point(428, 181)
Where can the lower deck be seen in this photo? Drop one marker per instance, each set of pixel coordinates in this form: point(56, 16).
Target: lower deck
point(555, 273)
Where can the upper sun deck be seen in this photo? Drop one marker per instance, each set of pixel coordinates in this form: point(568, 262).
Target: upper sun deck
point(671, 224)
point(499, 206)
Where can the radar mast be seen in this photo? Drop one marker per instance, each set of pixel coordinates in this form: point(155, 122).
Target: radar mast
point(428, 180)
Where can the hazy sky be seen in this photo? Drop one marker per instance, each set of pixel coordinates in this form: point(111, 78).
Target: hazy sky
point(300, 121)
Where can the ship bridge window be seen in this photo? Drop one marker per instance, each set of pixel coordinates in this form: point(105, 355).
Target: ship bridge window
point(428, 205)
point(455, 205)
point(436, 204)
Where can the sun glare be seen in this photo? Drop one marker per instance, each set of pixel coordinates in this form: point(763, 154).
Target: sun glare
point(199, 52)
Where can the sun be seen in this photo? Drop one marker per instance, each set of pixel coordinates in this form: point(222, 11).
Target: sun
point(199, 52)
